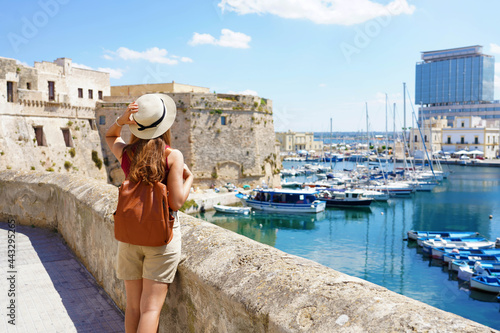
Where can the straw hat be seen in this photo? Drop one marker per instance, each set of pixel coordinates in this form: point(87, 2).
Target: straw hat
point(155, 115)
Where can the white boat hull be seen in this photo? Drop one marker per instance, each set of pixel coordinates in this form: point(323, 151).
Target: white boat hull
point(314, 207)
point(475, 284)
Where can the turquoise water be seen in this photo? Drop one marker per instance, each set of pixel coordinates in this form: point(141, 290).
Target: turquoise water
point(369, 243)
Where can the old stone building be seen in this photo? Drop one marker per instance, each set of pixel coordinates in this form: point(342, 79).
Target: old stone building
point(47, 117)
point(224, 138)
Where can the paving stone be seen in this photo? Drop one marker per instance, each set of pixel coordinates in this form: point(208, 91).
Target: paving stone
point(54, 292)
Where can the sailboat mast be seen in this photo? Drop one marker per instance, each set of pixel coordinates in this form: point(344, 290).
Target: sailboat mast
point(394, 136)
point(331, 143)
point(404, 113)
point(386, 133)
point(367, 130)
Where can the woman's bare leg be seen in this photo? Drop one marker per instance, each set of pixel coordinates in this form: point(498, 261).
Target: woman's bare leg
point(133, 289)
point(152, 299)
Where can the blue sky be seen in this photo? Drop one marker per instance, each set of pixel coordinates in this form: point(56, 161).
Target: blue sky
point(316, 59)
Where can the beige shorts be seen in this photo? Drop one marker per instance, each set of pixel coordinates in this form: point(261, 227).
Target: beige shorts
point(158, 263)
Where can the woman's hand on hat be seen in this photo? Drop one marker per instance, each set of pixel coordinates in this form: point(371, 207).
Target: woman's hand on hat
point(126, 117)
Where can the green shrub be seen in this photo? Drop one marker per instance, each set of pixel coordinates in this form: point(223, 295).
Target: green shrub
point(96, 159)
point(69, 123)
point(32, 168)
point(50, 169)
point(67, 165)
point(188, 204)
point(72, 152)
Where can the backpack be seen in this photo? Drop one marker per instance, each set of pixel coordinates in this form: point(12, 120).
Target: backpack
point(142, 216)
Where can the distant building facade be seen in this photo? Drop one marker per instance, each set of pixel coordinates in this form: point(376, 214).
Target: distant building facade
point(467, 133)
point(224, 137)
point(47, 117)
point(455, 83)
point(295, 141)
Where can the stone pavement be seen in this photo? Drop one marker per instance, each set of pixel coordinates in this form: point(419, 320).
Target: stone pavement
point(53, 291)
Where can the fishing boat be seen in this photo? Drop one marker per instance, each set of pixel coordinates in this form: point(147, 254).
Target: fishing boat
point(487, 264)
point(414, 235)
point(283, 201)
point(232, 209)
point(458, 254)
point(421, 240)
point(348, 198)
point(489, 284)
point(469, 244)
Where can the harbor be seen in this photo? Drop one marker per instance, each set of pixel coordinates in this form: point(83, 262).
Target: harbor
point(372, 243)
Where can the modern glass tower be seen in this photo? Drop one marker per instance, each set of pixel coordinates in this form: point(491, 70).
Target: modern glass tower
point(450, 82)
point(463, 75)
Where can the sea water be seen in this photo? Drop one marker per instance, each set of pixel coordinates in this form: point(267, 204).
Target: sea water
point(371, 243)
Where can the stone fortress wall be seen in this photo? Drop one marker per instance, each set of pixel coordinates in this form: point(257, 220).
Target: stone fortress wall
point(224, 137)
point(225, 282)
point(47, 117)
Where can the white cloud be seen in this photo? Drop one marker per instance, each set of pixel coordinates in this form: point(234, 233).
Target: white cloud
point(342, 12)
point(186, 59)
point(322, 85)
point(154, 55)
point(22, 63)
point(113, 73)
point(107, 57)
point(75, 65)
point(228, 38)
point(494, 48)
point(244, 92)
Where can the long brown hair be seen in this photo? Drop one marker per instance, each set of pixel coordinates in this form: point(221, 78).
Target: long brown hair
point(147, 158)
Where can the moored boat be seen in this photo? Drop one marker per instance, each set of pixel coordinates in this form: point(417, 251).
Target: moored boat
point(489, 284)
point(232, 209)
point(414, 235)
point(432, 243)
point(283, 201)
point(348, 198)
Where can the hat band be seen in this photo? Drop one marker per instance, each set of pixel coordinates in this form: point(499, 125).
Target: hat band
point(156, 123)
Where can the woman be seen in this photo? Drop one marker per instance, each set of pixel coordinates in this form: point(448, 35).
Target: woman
point(148, 271)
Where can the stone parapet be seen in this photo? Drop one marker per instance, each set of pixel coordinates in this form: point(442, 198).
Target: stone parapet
point(225, 282)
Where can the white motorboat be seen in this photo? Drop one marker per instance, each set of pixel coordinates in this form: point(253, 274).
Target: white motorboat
point(232, 209)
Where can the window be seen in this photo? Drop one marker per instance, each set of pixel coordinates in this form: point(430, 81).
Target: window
point(68, 140)
point(92, 124)
point(10, 91)
point(415, 139)
point(99, 94)
point(28, 85)
point(102, 120)
point(40, 136)
point(449, 140)
point(462, 140)
point(476, 140)
point(463, 124)
point(80, 93)
point(52, 91)
point(91, 94)
point(425, 138)
point(223, 120)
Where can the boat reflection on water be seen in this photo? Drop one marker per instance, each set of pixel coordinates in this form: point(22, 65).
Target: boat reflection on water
point(483, 296)
point(261, 226)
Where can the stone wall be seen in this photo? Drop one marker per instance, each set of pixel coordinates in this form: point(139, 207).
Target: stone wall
point(225, 282)
point(68, 122)
point(224, 138)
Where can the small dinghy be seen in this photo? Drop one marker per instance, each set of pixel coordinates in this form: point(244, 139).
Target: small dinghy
point(489, 284)
point(232, 210)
